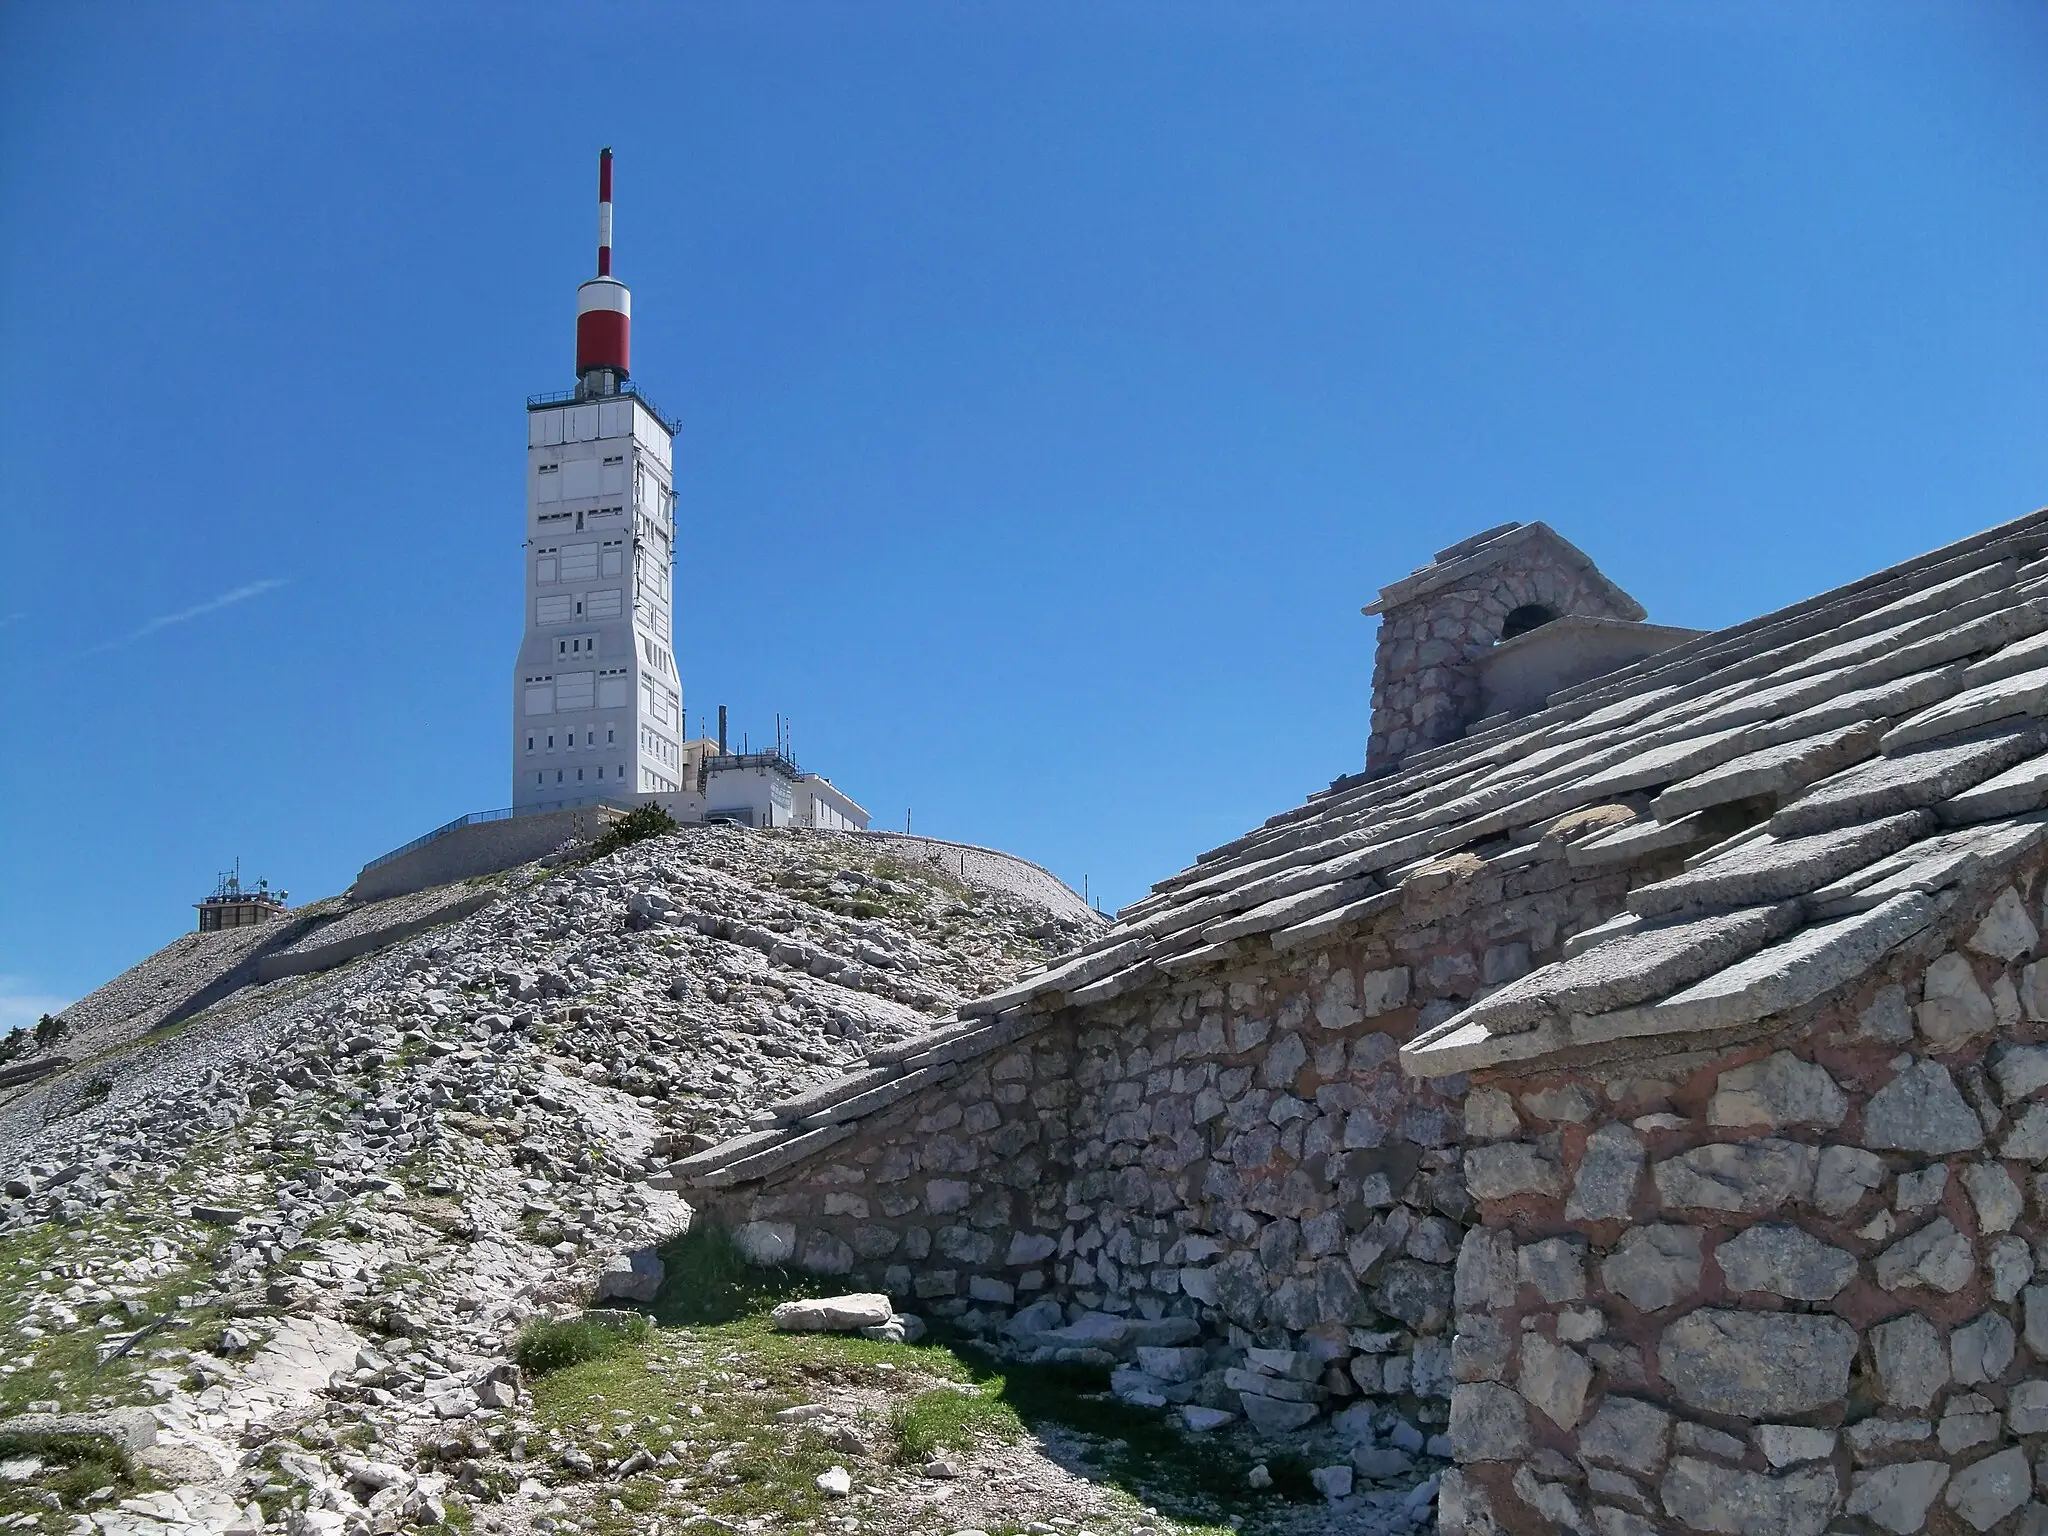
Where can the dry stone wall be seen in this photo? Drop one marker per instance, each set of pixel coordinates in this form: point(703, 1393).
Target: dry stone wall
point(1225, 1185)
point(1783, 1288)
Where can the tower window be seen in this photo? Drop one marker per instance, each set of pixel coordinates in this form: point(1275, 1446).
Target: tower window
point(1525, 618)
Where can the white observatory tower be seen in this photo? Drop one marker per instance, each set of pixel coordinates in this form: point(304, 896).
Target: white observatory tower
point(597, 710)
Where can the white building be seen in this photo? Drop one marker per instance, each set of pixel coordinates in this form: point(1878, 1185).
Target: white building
point(597, 703)
point(758, 789)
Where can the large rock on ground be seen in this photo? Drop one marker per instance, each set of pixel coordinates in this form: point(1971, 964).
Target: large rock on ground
point(833, 1314)
point(634, 1276)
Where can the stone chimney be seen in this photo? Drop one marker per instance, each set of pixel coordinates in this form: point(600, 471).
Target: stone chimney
point(1439, 628)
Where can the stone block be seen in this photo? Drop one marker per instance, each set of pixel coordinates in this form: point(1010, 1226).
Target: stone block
point(2021, 1070)
point(1785, 1261)
point(833, 1314)
point(2007, 932)
point(1383, 991)
point(1919, 1189)
point(1912, 1361)
point(1555, 1266)
point(1873, 1440)
point(2011, 1264)
point(1787, 1445)
point(1968, 1420)
point(1954, 1009)
point(1981, 1349)
point(1985, 1492)
point(1778, 1091)
point(1628, 1433)
point(1757, 1365)
point(1509, 1168)
point(1489, 1422)
point(1490, 1115)
point(1921, 1110)
point(1029, 1248)
point(634, 1277)
point(1748, 1177)
point(2034, 1310)
point(1897, 1498)
point(1995, 1196)
point(1568, 1103)
point(1888, 1020)
point(1275, 1416)
point(1937, 1257)
point(1654, 1266)
point(1843, 1176)
point(1701, 1440)
point(1609, 1172)
point(766, 1242)
point(1710, 1497)
point(1554, 1378)
point(2026, 1407)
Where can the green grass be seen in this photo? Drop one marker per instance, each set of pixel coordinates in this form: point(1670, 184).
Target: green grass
point(546, 1346)
point(947, 1419)
point(75, 1468)
point(713, 1350)
point(707, 1280)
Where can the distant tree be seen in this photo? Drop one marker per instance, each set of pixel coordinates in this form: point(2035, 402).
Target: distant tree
point(49, 1028)
point(637, 825)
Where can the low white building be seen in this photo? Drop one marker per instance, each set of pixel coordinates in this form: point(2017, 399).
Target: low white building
point(757, 789)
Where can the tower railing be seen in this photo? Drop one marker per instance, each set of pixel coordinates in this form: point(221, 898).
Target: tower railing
point(674, 424)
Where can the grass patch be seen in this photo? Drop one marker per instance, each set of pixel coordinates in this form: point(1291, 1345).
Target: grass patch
point(947, 1419)
point(556, 1345)
point(707, 1280)
point(1135, 1449)
point(75, 1466)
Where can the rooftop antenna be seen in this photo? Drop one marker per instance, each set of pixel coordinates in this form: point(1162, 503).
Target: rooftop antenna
point(604, 309)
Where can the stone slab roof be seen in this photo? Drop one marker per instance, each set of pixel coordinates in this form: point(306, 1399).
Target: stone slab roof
point(1896, 727)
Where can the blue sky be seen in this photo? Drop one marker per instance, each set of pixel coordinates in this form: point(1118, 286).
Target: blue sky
point(1058, 381)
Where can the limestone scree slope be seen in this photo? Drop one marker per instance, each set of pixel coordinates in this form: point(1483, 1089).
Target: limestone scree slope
point(303, 1223)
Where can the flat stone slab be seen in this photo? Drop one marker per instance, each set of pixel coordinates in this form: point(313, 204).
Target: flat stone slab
point(1776, 770)
point(833, 1314)
point(2025, 694)
point(132, 1429)
point(1906, 780)
point(1769, 869)
point(1643, 963)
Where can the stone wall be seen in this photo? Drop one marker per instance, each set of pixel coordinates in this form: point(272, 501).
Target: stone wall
point(1783, 1287)
point(1224, 1182)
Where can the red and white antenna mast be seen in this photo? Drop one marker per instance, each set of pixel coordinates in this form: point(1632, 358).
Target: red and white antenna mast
point(604, 212)
point(604, 306)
